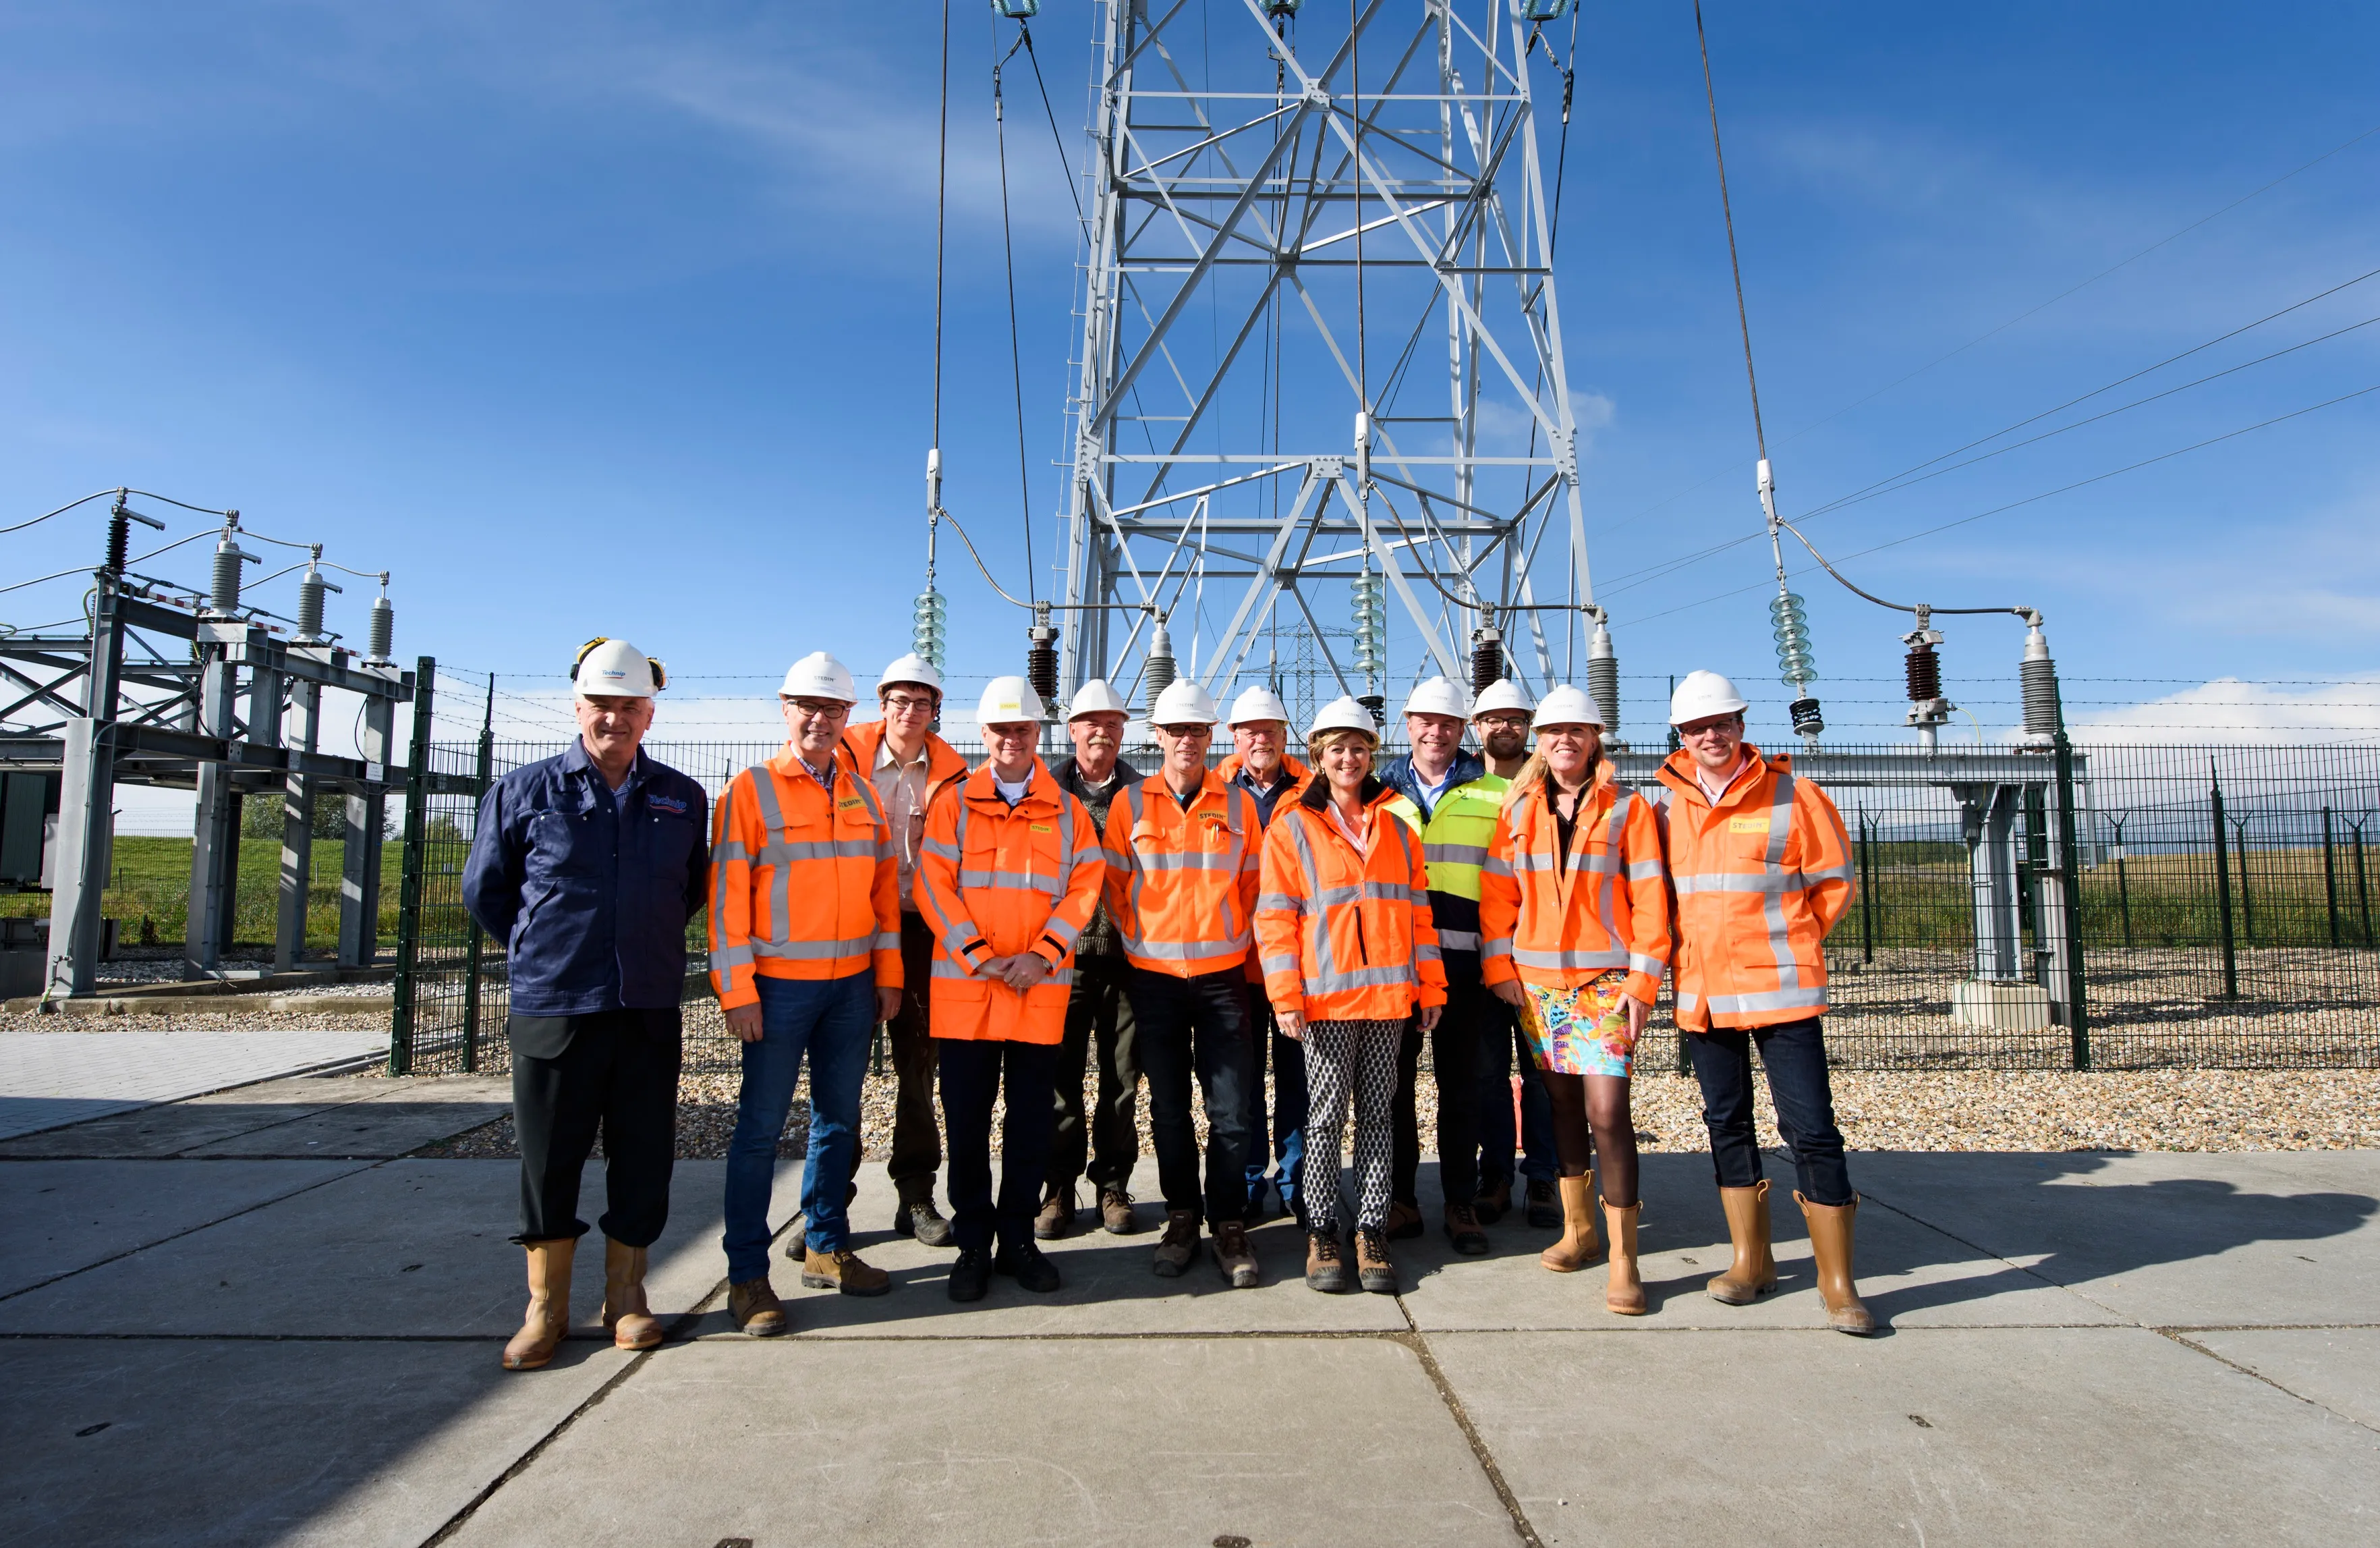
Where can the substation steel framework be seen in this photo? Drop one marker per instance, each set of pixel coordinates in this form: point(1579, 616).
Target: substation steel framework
point(235, 710)
point(1370, 197)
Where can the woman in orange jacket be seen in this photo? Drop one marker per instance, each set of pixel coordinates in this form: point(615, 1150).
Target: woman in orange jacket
point(1345, 938)
point(1574, 921)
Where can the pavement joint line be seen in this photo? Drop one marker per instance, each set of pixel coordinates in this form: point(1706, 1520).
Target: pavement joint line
point(326, 1068)
point(2254, 1374)
point(203, 1225)
point(1414, 1339)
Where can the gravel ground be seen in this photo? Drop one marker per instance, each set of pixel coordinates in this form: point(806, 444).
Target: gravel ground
point(214, 1018)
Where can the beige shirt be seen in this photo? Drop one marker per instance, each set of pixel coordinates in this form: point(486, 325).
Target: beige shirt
point(1702, 778)
point(902, 788)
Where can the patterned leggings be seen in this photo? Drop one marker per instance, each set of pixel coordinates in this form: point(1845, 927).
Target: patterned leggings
point(1344, 1059)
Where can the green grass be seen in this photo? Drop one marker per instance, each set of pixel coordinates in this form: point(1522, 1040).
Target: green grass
point(151, 881)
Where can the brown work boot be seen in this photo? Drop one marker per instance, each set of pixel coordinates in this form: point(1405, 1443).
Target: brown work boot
point(1492, 1204)
point(1232, 1256)
point(841, 1270)
point(1463, 1230)
point(1116, 1212)
point(1753, 1273)
point(1830, 1244)
point(1623, 1291)
point(1181, 1240)
point(1404, 1221)
point(1373, 1270)
point(1579, 1245)
point(754, 1305)
point(548, 1321)
point(632, 1321)
point(1056, 1218)
point(1326, 1262)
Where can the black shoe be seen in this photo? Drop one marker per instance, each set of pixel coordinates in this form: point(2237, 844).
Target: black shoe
point(1544, 1206)
point(1463, 1230)
point(1493, 1202)
point(1029, 1265)
point(971, 1276)
point(923, 1222)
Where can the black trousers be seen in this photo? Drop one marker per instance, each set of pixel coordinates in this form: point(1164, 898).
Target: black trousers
point(1795, 1055)
point(1198, 1025)
point(972, 1074)
point(1455, 1060)
point(616, 1072)
point(917, 1143)
point(1099, 1022)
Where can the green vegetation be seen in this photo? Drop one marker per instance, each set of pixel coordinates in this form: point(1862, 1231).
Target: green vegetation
point(151, 882)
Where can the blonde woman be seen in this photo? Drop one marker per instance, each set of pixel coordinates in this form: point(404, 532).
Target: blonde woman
point(1574, 917)
point(1349, 956)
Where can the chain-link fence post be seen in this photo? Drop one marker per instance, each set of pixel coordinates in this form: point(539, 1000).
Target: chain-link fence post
point(2223, 891)
point(471, 955)
point(2069, 899)
point(409, 897)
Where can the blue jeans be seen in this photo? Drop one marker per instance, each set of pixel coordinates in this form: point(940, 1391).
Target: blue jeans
point(832, 1020)
point(1497, 1043)
point(1286, 1129)
point(1795, 1057)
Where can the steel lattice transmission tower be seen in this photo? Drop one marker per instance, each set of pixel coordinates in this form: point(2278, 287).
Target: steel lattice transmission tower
point(1320, 350)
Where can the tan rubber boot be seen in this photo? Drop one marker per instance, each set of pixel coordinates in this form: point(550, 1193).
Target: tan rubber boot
point(632, 1321)
point(548, 1321)
point(1623, 1292)
point(1753, 1273)
point(1579, 1245)
point(1830, 1244)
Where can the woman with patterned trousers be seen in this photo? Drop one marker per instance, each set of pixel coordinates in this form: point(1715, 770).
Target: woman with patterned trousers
point(1349, 956)
point(1574, 918)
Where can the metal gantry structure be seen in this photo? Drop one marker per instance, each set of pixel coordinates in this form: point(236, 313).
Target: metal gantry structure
point(196, 690)
point(1321, 365)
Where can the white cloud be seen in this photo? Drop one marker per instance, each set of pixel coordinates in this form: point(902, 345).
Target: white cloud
point(2230, 711)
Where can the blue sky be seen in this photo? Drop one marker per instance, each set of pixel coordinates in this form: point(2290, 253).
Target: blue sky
point(618, 319)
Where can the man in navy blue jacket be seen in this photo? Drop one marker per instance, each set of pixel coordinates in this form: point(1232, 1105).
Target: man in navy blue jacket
point(586, 866)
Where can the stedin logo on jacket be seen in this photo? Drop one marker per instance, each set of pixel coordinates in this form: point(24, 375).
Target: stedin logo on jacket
point(1748, 825)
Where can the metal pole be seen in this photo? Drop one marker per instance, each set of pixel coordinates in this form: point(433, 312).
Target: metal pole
point(2223, 897)
point(2071, 903)
point(298, 795)
point(471, 954)
point(359, 866)
point(409, 906)
point(2362, 891)
point(2329, 877)
point(2123, 886)
point(2247, 900)
point(1867, 891)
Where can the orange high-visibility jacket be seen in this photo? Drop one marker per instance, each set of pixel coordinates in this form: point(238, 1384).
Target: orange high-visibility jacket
point(1560, 927)
point(1298, 774)
point(943, 764)
point(1760, 878)
point(1182, 882)
point(1344, 936)
point(995, 881)
point(805, 881)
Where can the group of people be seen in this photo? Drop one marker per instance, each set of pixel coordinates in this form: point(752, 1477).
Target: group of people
point(1022, 926)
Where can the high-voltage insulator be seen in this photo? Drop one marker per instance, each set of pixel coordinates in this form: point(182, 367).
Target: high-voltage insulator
point(222, 593)
point(930, 625)
point(119, 538)
point(1922, 674)
point(2039, 676)
point(1603, 678)
point(1790, 626)
point(1368, 601)
point(1377, 703)
point(1156, 672)
point(310, 587)
point(1487, 658)
point(383, 636)
point(1922, 671)
point(1041, 658)
point(1808, 721)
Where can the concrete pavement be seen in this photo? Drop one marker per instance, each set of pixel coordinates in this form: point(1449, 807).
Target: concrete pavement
point(214, 1334)
point(49, 1079)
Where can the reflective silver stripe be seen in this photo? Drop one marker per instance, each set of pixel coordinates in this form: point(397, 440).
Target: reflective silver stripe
point(1063, 931)
point(888, 940)
point(816, 951)
point(1425, 951)
point(1360, 978)
point(725, 957)
point(946, 968)
point(1500, 946)
point(1529, 859)
point(1226, 860)
point(1642, 964)
point(1453, 854)
point(1592, 961)
point(1028, 880)
point(1776, 882)
point(1494, 867)
point(1280, 964)
point(1645, 871)
point(780, 853)
point(1057, 884)
point(1781, 938)
point(941, 851)
point(730, 957)
point(1131, 861)
point(1775, 999)
point(773, 818)
point(956, 939)
point(732, 849)
point(1189, 951)
point(1279, 902)
point(1688, 999)
point(1459, 940)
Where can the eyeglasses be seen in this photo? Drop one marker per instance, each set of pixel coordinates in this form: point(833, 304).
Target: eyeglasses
point(1186, 733)
point(907, 703)
point(1726, 730)
point(1506, 721)
point(820, 709)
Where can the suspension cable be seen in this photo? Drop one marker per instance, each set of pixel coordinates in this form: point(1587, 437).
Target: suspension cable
point(1743, 317)
point(1016, 355)
point(941, 211)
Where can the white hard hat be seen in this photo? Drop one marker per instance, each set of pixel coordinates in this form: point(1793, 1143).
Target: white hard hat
point(1501, 694)
point(617, 668)
point(1565, 705)
point(1345, 712)
point(1701, 695)
point(1097, 698)
point(1006, 700)
point(912, 668)
point(1257, 703)
point(818, 675)
point(1438, 696)
point(1184, 702)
